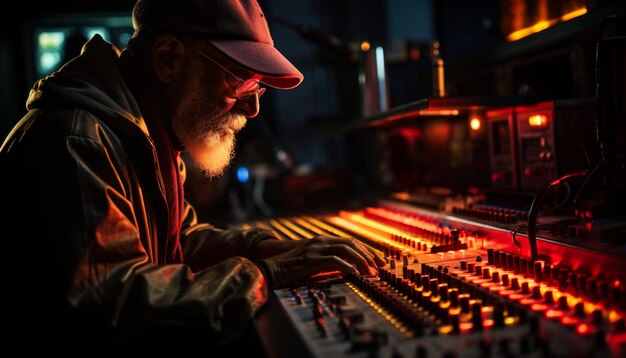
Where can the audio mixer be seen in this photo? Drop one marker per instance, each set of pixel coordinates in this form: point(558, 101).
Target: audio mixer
point(451, 287)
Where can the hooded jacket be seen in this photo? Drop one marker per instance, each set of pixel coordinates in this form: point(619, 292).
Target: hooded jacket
point(81, 179)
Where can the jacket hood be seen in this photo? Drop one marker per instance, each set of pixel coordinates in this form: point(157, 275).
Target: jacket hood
point(93, 82)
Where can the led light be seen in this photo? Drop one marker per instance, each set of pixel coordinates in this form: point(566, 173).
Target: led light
point(573, 14)
point(583, 329)
point(569, 321)
point(438, 112)
point(475, 123)
point(554, 314)
point(465, 327)
point(447, 329)
point(243, 175)
point(365, 46)
point(538, 120)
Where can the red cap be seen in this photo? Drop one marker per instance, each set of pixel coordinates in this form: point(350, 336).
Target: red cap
point(238, 28)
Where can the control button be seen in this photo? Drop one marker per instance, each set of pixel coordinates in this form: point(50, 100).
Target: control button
point(531, 171)
point(505, 280)
point(367, 339)
point(338, 300)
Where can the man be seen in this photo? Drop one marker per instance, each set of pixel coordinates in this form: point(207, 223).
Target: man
point(104, 241)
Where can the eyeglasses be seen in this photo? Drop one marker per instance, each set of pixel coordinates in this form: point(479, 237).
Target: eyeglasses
point(246, 88)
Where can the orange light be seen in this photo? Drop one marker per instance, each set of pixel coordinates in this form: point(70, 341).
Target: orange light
point(542, 25)
point(569, 321)
point(573, 14)
point(465, 326)
point(438, 112)
point(475, 123)
point(488, 323)
point(538, 307)
point(583, 328)
point(445, 329)
point(365, 46)
point(538, 120)
point(551, 314)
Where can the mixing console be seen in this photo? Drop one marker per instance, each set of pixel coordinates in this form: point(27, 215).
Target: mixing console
point(453, 288)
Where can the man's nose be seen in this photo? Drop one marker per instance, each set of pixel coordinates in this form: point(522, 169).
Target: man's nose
point(250, 106)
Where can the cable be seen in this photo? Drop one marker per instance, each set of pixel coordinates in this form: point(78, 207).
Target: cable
point(562, 203)
point(534, 211)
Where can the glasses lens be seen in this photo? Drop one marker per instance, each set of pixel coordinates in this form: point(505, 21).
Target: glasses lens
point(248, 88)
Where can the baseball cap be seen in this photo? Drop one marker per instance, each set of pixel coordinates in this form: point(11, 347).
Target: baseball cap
point(237, 28)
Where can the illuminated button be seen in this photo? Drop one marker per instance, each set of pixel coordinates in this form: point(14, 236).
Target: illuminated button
point(531, 171)
point(542, 156)
point(554, 314)
point(584, 329)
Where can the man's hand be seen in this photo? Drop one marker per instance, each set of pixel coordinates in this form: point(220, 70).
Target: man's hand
point(321, 253)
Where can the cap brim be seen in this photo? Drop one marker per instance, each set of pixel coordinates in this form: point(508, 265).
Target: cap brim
point(263, 59)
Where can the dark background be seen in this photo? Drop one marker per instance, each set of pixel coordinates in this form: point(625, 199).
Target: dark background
point(557, 63)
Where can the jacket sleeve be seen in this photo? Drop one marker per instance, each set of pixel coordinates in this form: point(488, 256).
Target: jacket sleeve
point(94, 256)
point(205, 245)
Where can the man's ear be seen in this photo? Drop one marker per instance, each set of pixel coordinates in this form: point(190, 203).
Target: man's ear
point(168, 55)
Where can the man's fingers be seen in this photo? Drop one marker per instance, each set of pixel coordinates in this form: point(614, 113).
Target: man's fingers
point(353, 257)
point(332, 263)
point(380, 261)
point(358, 247)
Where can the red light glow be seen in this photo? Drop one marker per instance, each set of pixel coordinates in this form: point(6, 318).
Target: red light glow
point(554, 314)
point(583, 329)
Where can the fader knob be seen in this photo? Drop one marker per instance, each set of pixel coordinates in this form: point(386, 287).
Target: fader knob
point(515, 284)
point(477, 317)
point(505, 280)
point(463, 265)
